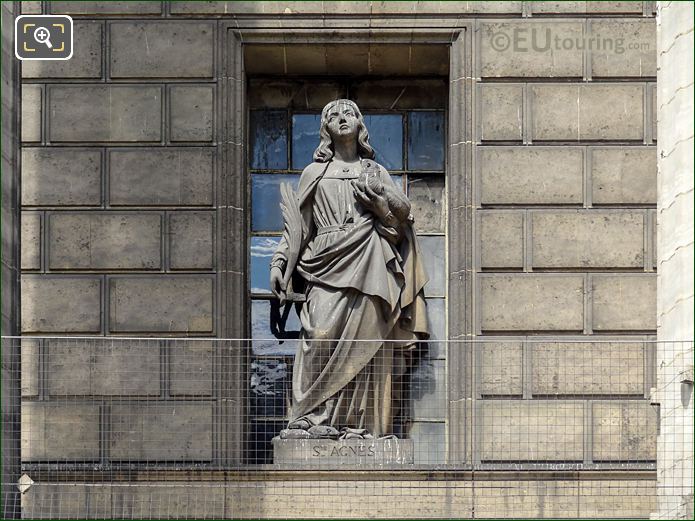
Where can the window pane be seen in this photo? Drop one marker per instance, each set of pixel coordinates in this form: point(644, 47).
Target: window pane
point(426, 141)
point(398, 180)
point(432, 249)
point(386, 138)
point(269, 139)
point(426, 194)
point(305, 139)
point(259, 441)
point(262, 250)
point(269, 384)
point(266, 215)
point(264, 341)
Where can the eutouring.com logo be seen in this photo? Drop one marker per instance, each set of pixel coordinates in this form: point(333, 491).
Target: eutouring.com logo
point(533, 39)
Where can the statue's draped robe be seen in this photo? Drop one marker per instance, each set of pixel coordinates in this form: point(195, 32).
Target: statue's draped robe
point(364, 286)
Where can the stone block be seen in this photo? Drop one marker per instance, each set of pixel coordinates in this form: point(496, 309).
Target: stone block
point(161, 431)
point(172, 176)
point(623, 48)
point(530, 49)
point(31, 113)
point(589, 7)
point(167, 499)
point(29, 376)
point(588, 112)
point(191, 113)
point(501, 368)
point(106, 8)
point(530, 175)
point(60, 431)
point(61, 177)
point(161, 304)
point(113, 113)
point(31, 241)
point(364, 454)
point(104, 241)
point(538, 430)
point(501, 112)
point(119, 368)
point(624, 302)
point(191, 236)
point(61, 304)
point(191, 367)
point(31, 7)
point(609, 499)
point(427, 390)
point(623, 175)
point(85, 61)
point(74, 501)
point(501, 239)
point(162, 49)
point(588, 239)
point(587, 368)
point(624, 431)
point(525, 498)
point(532, 302)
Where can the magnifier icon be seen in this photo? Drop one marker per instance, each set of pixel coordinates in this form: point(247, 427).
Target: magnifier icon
point(42, 35)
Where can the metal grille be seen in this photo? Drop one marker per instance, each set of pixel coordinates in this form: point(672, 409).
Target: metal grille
point(183, 428)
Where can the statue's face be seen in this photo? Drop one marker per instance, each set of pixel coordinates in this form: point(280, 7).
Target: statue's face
point(342, 121)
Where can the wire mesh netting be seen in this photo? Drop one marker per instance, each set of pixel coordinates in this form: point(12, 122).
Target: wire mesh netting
point(115, 427)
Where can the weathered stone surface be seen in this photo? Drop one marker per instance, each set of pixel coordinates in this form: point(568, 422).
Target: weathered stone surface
point(204, 500)
point(173, 176)
point(522, 430)
point(588, 239)
point(57, 501)
point(164, 431)
point(191, 236)
point(533, 499)
point(501, 239)
point(83, 368)
point(501, 369)
point(532, 302)
point(627, 48)
point(61, 304)
point(531, 175)
point(30, 367)
point(161, 304)
point(101, 241)
point(366, 454)
point(161, 49)
point(627, 499)
point(427, 390)
point(191, 367)
point(31, 7)
point(191, 113)
point(85, 61)
point(587, 368)
point(99, 8)
point(588, 7)
point(501, 112)
point(61, 176)
point(624, 431)
point(31, 113)
point(31, 241)
point(624, 303)
point(59, 431)
point(427, 202)
point(578, 112)
point(98, 113)
point(530, 49)
point(623, 175)
point(429, 442)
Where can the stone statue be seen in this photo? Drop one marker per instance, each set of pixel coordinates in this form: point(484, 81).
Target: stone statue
point(350, 254)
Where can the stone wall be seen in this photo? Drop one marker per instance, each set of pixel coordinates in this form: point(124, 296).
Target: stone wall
point(674, 390)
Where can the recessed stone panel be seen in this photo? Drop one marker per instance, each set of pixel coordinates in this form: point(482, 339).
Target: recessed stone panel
point(31, 113)
point(530, 175)
point(31, 241)
point(191, 366)
point(191, 113)
point(501, 112)
point(501, 239)
point(161, 304)
point(623, 48)
point(103, 8)
point(161, 50)
point(624, 303)
point(588, 239)
point(623, 175)
point(159, 177)
point(191, 240)
point(501, 369)
point(624, 431)
point(531, 302)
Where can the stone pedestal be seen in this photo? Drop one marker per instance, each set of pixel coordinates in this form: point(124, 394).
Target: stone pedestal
point(343, 453)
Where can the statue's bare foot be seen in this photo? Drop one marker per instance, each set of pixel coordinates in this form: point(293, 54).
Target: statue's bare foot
point(323, 431)
point(294, 434)
point(299, 423)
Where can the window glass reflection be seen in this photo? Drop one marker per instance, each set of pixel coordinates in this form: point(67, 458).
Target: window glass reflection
point(262, 249)
point(433, 254)
point(269, 139)
point(386, 138)
point(265, 340)
point(305, 139)
point(266, 215)
point(426, 141)
point(270, 380)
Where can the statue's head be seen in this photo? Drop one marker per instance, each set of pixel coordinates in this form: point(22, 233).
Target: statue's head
point(342, 119)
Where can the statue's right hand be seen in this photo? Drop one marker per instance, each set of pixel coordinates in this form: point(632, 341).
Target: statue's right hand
point(277, 282)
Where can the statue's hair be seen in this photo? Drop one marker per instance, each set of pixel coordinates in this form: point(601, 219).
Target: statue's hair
point(324, 152)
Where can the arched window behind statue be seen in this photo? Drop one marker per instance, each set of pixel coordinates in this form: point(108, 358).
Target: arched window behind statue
point(408, 137)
